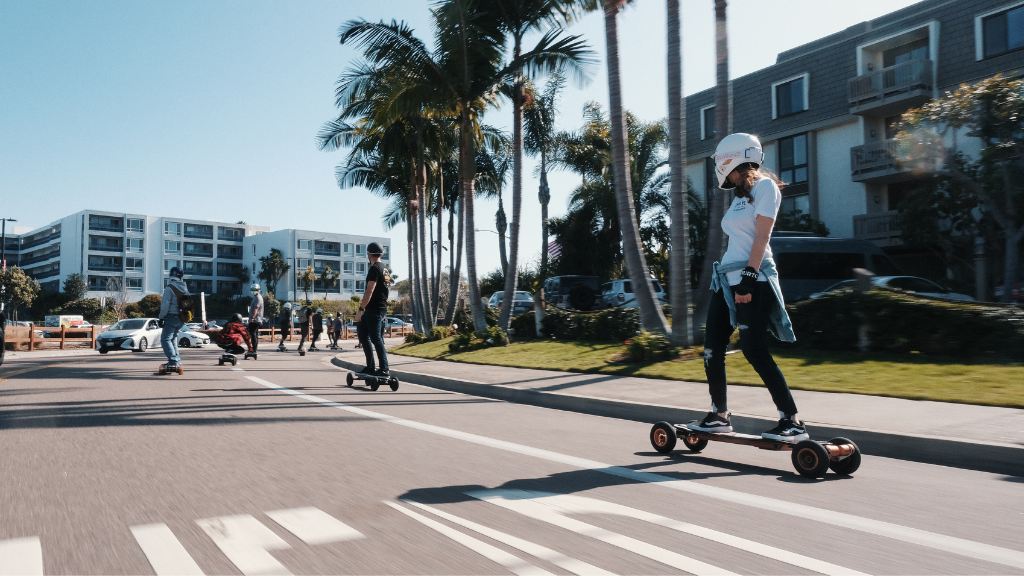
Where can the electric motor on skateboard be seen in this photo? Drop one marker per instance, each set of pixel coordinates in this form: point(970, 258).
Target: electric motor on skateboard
point(374, 382)
point(811, 458)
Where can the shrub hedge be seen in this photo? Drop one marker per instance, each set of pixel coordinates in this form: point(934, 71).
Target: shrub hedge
point(612, 325)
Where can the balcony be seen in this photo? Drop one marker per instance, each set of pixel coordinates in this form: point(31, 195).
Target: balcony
point(876, 163)
point(203, 232)
point(46, 274)
point(105, 268)
point(40, 258)
point(882, 228)
point(230, 234)
point(891, 90)
point(229, 252)
point(40, 241)
point(106, 224)
point(105, 248)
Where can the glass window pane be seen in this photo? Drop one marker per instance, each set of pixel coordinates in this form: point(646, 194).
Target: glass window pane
point(786, 176)
point(709, 123)
point(802, 203)
point(799, 150)
point(1015, 28)
point(800, 175)
point(783, 100)
point(796, 91)
point(995, 35)
point(785, 153)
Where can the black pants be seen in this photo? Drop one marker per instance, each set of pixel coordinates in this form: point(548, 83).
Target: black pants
point(234, 349)
point(254, 334)
point(316, 336)
point(303, 334)
point(370, 329)
point(752, 318)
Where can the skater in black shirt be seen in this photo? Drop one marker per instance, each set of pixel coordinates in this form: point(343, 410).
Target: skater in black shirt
point(372, 310)
point(284, 322)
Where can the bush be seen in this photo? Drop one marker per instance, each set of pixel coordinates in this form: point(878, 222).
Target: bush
point(461, 342)
point(439, 333)
point(612, 325)
point(902, 323)
point(524, 326)
point(496, 337)
point(649, 347)
point(415, 338)
point(88, 308)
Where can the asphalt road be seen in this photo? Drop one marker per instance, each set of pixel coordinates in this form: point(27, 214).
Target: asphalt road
point(277, 467)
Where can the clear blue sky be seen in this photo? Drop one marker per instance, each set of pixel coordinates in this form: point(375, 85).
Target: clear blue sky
point(208, 109)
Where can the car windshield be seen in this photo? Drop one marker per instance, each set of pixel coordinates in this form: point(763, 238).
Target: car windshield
point(133, 324)
point(524, 296)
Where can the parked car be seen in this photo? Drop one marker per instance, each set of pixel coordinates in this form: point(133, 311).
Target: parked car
point(912, 284)
point(135, 334)
point(351, 325)
point(84, 326)
point(810, 264)
point(579, 292)
point(395, 322)
point(523, 301)
point(190, 339)
point(619, 293)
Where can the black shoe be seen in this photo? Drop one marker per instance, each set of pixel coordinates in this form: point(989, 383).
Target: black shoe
point(382, 373)
point(787, 431)
point(367, 371)
point(712, 423)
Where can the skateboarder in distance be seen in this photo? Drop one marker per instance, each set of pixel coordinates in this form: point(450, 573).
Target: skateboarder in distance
point(255, 316)
point(284, 322)
point(305, 314)
point(372, 310)
point(316, 325)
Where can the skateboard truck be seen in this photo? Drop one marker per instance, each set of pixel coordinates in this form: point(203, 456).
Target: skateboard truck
point(811, 458)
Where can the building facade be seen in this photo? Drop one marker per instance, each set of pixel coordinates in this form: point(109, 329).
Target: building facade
point(827, 112)
point(138, 251)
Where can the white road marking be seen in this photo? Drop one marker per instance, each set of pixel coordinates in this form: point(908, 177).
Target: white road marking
point(551, 507)
point(165, 553)
point(314, 526)
point(950, 544)
point(512, 563)
point(238, 369)
point(557, 558)
point(245, 541)
point(22, 556)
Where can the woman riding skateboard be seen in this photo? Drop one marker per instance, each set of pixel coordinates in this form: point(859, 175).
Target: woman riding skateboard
point(745, 289)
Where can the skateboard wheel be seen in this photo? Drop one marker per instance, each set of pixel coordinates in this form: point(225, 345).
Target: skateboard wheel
point(394, 384)
point(374, 384)
point(162, 370)
point(180, 370)
point(220, 362)
point(695, 443)
point(663, 437)
point(234, 361)
point(348, 379)
point(810, 459)
point(845, 465)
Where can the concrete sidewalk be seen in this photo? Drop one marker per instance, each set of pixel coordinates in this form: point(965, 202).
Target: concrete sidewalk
point(976, 437)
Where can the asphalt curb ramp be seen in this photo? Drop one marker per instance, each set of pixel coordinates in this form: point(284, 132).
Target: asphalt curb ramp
point(986, 457)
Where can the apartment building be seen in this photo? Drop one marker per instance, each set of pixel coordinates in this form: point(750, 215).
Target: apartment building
point(140, 250)
point(827, 111)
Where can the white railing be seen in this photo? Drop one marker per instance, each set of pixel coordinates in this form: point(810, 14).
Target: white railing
point(876, 226)
point(903, 77)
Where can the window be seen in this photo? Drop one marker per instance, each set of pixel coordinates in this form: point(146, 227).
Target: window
point(912, 284)
point(254, 253)
point(1000, 33)
point(360, 249)
point(172, 228)
point(707, 122)
point(134, 244)
point(387, 252)
point(133, 283)
point(136, 225)
point(347, 267)
point(349, 249)
point(303, 263)
point(710, 180)
point(361, 267)
point(346, 285)
point(133, 264)
point(168, 264)
point(916, 50)
point(789, 96)
point(172, 247)
point(303, 244)
point(793, 171)
point(360, 285)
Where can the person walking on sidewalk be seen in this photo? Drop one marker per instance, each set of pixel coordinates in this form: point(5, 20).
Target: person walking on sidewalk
point(745, 289)
point(255, 316)
point(284, 323)
point(171, 303)
point(316, 324)
point(305, 313)
point(372, 310)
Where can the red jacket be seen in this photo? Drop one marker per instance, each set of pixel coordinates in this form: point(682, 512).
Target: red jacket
point(234, 333)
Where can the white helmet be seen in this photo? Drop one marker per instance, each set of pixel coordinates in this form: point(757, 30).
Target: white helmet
point(288, 305)
point(255, 287)
point(734, 150)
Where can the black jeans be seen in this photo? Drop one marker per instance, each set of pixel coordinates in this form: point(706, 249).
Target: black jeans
point(370, 328)
point(254, 334)
point(752, 318)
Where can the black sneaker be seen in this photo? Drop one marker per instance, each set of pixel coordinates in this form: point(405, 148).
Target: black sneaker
point(367, 371)
point(712, 423)
point(787, 431)
point(382, 373)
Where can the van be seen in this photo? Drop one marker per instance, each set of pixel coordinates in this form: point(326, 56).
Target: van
point(619, 293)
point(67, 321)
point(577, 292)
point(810, 264)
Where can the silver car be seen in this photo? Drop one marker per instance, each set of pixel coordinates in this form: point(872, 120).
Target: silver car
point(911, 284)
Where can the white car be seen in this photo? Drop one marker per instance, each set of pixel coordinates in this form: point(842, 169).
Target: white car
point(190, 339)
point(911, 284)
point(619, 293)
point(135, 334)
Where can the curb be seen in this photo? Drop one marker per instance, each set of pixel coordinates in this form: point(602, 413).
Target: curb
point(986, 457)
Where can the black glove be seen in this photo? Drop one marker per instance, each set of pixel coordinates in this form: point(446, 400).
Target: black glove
point(748, 280)
point(160, 322)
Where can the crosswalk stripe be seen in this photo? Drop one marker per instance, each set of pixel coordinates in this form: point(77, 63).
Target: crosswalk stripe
point(510, 562)
point(21, 556)
point(165, 553)
point(557, 558)
point(941, 542)
point(245, 541)
point(314, 526)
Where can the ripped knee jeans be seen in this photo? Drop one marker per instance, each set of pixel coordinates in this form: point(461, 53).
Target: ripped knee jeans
point(752, 319)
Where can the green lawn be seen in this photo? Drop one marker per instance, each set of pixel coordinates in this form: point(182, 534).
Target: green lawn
point(913, 377)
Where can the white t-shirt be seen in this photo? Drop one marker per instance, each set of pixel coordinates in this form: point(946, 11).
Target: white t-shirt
point(738, 224)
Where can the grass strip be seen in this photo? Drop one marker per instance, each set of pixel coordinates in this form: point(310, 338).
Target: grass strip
point(913, 377)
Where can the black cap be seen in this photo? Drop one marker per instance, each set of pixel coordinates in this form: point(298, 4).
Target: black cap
point(374, 248)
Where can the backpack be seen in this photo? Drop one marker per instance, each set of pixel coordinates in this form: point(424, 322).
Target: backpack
point(184, 305)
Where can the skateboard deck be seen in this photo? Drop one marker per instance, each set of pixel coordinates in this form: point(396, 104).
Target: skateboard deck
point(225, 358)
point(373, 382)
point(163, 370)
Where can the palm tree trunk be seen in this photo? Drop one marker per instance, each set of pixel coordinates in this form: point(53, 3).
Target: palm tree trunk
point(512, 268)
point(501, 225)
point(544, 195)
point(467, 171)
point(455, 272)
point(651, 317)
point(440, 246)
point(424, 280)
point(721, 199)
point(409, 225)
point(679, 265)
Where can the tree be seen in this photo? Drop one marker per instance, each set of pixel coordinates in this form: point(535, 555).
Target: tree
point(18, 288)
point(242, 273)
point(993, 112)
point(652, 318)
point(272, 269)
point(149, 306)
point(307, 278)
point(75, 287)
point(329, 278)
point(539, 139)
point(119, 295)
point(679, 267)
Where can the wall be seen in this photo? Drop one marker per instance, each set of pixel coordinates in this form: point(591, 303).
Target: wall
point(839, 197)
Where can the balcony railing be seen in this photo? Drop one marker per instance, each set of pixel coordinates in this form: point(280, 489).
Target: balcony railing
point(895, 83)
point(106, 227)
point(105, 268)
point(22, 262)
point(874, 157)
point(105, 248)
point(230, 237)
point(40, 241)
point(199, 234)
point(327, 252)
point(229, 255)
point(206, 272)
point(199, 253)
point(46, 274)
point(881, 226)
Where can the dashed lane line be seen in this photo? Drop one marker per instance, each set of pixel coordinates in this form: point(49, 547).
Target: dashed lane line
point(22, 556)
point(942, 542)
point(165, 553)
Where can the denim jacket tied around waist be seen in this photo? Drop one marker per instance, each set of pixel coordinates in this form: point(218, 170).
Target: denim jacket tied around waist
point(778, 320)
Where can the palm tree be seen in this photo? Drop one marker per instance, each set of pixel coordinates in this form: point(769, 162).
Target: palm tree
point(679, 285)
point(539, 139)
point(651, 316)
